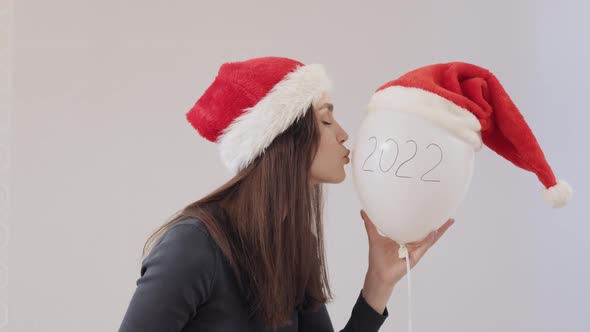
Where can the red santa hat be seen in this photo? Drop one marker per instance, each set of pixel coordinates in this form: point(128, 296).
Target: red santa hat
point(470, 102)
point(251, 102)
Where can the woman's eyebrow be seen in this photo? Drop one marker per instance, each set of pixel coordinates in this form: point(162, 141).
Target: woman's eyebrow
point(329, 106)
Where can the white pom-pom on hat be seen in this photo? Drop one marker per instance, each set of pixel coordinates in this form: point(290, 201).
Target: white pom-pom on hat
point(558, 195)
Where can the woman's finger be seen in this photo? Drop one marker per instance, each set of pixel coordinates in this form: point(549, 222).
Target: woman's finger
point(372, 232)
point(442, 229)
point(437, 234)
point(421, 242)
point(419, 248)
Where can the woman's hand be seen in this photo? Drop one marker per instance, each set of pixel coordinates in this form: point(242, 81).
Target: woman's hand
point(385, 266)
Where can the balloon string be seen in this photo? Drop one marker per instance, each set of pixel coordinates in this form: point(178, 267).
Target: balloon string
point(403, 253)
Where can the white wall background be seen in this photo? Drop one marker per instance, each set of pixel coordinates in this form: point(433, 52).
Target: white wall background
point(101, 153)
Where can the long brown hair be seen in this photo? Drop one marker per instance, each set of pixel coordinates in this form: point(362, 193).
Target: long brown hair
point(267, 221)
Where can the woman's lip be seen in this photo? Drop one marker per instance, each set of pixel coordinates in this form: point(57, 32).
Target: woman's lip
point(347, 159)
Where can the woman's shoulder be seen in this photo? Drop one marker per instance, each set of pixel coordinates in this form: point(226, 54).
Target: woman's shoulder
point(190, 232)
point(183, 259)
point(187, 241)
point(191, 222)
point(184, 250)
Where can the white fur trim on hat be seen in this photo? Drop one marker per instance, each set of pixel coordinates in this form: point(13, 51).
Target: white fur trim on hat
point(432, 107)
point(558, 195)
point(254, 130)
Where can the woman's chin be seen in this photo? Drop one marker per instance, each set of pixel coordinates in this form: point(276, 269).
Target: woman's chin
point(341, 177)
point(334, 177)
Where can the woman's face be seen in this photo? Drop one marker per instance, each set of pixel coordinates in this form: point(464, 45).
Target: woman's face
point(332, 155)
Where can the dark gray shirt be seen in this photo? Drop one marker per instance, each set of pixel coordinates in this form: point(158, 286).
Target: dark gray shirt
point(187, 285)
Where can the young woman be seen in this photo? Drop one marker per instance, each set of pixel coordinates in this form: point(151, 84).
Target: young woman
point(250, 255)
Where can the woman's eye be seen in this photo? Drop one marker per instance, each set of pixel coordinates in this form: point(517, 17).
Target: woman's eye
point(327, 123)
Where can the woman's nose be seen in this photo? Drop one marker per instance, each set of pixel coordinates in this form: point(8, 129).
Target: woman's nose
point(344, 136)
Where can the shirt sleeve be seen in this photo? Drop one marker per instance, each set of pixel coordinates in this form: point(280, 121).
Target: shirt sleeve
point(363, 318)
point(176, 278)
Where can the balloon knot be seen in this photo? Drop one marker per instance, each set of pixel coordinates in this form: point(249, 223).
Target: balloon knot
point(402, 251)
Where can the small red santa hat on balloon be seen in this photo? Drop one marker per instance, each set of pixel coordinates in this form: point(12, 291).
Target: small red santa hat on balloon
point(470, 102)
point(251, 102)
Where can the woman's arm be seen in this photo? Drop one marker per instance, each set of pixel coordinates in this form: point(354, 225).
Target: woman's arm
point(176, 277)
point(386, 268)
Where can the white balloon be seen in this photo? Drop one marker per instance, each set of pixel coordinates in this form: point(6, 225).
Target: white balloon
point(409, 173)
